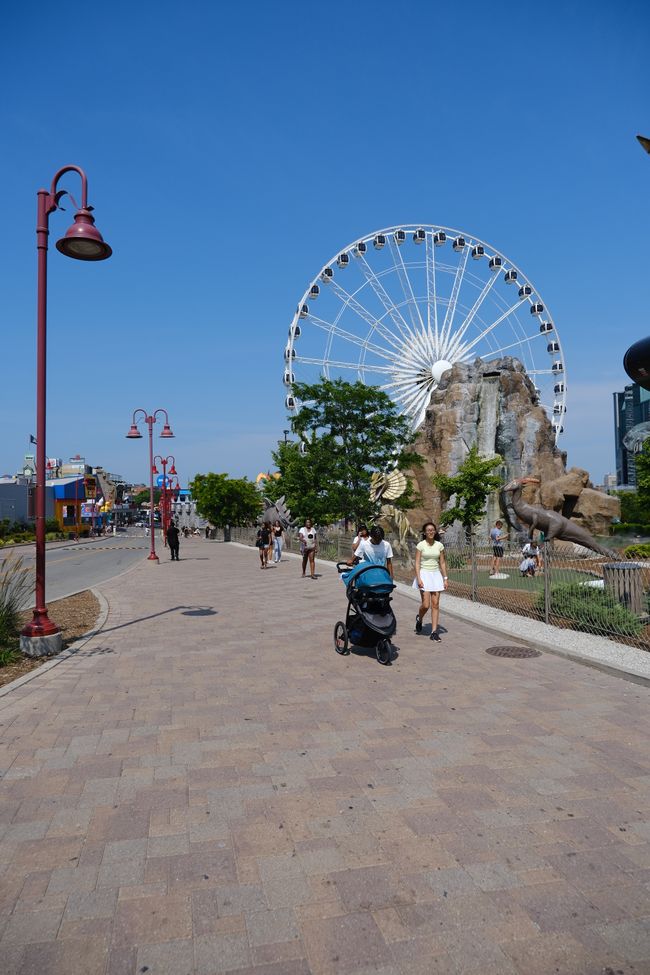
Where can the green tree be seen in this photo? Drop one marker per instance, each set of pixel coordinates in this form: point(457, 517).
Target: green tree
point(642, 464)
point(143, 497)
point(224, 500)
point(348, 430)
point(470, 486)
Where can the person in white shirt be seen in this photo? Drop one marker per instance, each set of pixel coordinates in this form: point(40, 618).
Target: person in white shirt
point(362, 534)
point(376, 550)
point(308, 546)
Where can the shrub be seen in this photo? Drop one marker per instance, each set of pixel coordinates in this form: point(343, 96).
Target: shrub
point(16, 585)
point(8, 656)
point(630, 528)
point(590, 610)
point(51, 525)
point(639, 551)
point(455, 560)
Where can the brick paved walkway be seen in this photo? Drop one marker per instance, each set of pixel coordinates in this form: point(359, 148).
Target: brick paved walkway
point(207, 787)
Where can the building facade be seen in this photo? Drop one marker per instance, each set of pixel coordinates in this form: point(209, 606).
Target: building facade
point(632, 406)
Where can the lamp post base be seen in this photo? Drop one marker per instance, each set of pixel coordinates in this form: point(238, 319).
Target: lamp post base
point(153, 558)
point(41, 646)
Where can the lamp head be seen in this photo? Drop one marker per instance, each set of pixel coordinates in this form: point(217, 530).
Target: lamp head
point(154, 469)
point(636, 362)
point(134, 433)
point(83, 240)
point(172, 470)
point(167, 431)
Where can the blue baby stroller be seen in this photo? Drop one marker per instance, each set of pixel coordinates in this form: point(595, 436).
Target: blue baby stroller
point(369, 621)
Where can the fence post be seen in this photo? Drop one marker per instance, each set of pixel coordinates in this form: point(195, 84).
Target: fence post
point(472, 556)
point(547, 582)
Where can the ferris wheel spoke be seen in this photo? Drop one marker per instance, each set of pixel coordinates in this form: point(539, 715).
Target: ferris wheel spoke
point(342, 333)
point(405, 281)
point(349, 301)
point(384, 298)
point(469, 318)
point(490, 328)
point(518, 342)
point(453, 301)
point(336, 364)
point(416, 401)
point(432, 300)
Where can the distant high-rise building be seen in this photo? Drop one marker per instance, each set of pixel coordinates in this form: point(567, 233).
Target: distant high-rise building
point(632, 406)
point(609, 482)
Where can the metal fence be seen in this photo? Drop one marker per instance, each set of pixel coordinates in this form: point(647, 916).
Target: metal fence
point(567, 587)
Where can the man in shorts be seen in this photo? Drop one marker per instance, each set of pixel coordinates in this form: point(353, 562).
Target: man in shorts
point(496, 537)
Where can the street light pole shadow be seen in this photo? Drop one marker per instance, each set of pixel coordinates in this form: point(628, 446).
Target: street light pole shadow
point(186, 611)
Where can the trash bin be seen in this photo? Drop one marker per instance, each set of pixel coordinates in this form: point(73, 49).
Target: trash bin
point(226, 533)
point(624, 581)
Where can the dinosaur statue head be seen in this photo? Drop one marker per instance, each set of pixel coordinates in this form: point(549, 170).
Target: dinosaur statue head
point(518, 483)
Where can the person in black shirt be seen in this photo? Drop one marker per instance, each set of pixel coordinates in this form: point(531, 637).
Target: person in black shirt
point(262, 543)
point(172, 540)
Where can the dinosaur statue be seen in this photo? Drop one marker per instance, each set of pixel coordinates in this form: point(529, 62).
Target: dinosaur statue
point(276, 511)
point(552, 523)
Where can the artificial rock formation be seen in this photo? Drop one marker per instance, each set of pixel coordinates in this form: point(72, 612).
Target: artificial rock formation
point(494, 405)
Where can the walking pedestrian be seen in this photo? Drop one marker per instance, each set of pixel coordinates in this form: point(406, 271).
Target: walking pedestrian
point(430, 577)
point(308, 547)
point(278, 541)
point(375, 549)
point(262, 543)
point(173, 540)
point(362, 533)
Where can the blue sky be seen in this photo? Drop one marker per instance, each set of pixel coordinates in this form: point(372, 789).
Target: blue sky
point(232, 149)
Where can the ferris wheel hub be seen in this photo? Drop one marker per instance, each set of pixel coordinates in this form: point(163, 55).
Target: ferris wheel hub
point(439, 368)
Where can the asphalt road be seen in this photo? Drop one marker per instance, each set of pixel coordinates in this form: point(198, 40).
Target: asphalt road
point(74, 567)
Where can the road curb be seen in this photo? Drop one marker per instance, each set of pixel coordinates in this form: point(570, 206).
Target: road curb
point(69, 651)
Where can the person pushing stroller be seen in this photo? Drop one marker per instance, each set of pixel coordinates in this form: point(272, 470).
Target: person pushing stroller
point(375, 550)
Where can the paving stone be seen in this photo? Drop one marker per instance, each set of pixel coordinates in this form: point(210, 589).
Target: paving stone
point(343, 944)
point(270, 927)
point(169, 958)
point(220, 953)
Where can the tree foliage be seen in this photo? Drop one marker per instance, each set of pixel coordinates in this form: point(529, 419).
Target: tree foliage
point(642, 464)
point(143, 497)
point(348, 430)
point(470, 487)
point(224, 500)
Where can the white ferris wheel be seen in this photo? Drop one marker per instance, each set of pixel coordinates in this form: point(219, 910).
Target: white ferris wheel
point(397, 308)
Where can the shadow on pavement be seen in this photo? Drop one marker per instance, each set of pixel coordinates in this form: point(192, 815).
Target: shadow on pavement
point(187, 611)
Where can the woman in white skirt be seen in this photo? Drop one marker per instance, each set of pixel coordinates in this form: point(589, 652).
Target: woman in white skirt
point(430, 577)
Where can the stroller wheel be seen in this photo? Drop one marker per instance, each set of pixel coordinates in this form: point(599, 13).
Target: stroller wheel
point(341, 638)
point(383, 651)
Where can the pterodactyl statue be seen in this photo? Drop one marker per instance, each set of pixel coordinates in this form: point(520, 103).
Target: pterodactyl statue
point(552, 523)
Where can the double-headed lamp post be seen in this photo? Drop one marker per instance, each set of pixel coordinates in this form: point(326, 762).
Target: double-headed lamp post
point(172, 471)
point(134, 434)
point(83, 242)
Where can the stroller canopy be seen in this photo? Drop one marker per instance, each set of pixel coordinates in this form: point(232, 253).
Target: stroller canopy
point(369, 578)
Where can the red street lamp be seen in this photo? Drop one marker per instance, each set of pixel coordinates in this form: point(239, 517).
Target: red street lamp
point(165, 501)
point(84, 243)
point(134, 434)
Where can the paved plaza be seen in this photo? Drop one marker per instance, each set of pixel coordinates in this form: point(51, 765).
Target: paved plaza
point(206, 787)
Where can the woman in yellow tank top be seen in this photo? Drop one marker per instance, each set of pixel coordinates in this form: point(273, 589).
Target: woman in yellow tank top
point(430, 577)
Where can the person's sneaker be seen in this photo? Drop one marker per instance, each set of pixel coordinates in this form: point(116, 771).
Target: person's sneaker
point(418, 624)
point(435, 636)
